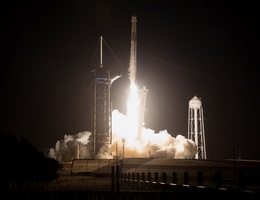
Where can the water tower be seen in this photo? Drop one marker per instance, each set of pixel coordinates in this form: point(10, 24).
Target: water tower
point(196, 131)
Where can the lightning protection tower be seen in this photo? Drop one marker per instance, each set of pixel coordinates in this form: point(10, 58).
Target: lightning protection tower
point(196, 131)
point(99, 86)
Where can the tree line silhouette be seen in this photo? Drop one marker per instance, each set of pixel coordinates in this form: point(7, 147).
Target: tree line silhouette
point(22, 163)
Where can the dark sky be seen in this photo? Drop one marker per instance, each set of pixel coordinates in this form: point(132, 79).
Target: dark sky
point(209, 49)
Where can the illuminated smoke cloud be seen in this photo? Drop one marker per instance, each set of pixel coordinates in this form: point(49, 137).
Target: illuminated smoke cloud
point(71, 143)
point(150, 144)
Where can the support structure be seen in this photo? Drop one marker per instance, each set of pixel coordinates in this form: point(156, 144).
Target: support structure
point(101, 110)
point(196, 131)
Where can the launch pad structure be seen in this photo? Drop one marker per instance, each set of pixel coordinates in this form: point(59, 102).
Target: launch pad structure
point(100, 107)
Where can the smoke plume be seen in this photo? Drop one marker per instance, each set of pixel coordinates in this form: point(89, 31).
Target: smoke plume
point(150, 144)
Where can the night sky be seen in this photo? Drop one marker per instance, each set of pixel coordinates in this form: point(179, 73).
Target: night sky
point(208, 49)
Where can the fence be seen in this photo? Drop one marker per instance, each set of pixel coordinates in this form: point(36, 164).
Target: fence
point(93, 167)
point(140, 182)
point(228, 171)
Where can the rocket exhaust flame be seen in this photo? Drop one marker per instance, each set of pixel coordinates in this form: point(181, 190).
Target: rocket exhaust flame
point(133, 108)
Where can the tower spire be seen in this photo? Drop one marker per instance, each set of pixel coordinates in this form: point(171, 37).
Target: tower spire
point(101, 51)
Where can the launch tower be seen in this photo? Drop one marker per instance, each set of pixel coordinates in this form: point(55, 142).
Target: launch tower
point(196, 131)
point(99, 87)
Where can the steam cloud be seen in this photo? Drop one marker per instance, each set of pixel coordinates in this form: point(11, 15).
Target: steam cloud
point(150, 144)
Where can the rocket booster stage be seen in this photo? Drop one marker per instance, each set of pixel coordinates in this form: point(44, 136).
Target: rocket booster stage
point(132, 66)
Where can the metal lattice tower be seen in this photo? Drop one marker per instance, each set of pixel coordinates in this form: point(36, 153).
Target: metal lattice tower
point(99, 87)
point(101, 128)
point(196, 130)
